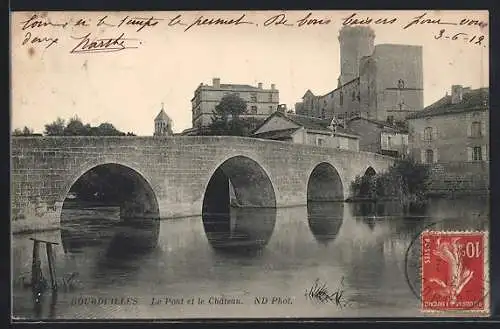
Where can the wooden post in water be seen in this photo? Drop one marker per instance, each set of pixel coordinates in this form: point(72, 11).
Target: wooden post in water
point(52, 269)
point(36, 267)
point(36, 270)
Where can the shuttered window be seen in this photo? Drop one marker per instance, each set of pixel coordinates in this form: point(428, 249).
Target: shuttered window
point(477, 154)
point(429, 156)
point(476, 129)
point(428, 134)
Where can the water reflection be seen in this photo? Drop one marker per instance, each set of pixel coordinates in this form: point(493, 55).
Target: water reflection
point(325, 220)
point(366, 245)
point(240, 229)
point(82, 228)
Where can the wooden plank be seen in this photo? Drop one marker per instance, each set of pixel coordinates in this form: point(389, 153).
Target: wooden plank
point(44, 241)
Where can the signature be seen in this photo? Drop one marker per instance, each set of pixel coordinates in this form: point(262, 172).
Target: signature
point(94, 45)
point(320, 292)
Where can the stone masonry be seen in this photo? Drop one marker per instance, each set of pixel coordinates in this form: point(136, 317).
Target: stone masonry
point(177, 169)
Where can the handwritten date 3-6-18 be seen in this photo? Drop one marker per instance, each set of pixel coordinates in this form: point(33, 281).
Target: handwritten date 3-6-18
point(88, 44)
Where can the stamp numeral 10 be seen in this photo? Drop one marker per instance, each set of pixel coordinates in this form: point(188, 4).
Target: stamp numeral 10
point(471, 250)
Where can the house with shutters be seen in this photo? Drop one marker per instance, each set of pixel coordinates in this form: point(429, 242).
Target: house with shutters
point(453, 129)
point(380, 137)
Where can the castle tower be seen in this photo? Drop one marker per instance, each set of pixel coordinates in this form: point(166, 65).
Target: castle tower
point(163, 124)
point(355, 43)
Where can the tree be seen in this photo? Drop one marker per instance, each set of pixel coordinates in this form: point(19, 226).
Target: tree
point(226, 117)
point(17, 132)
point(76, 127)
point(107, 129)
point(230, 107)
point(27, 131)
point(24, 132)
point(55, 128)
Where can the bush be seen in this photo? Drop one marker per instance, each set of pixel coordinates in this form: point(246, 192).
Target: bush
point(406, 181)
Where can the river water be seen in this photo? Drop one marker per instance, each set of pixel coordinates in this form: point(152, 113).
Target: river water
point(364, 252)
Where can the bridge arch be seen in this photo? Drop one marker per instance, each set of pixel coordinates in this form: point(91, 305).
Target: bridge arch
point(239, 205)
point(112, 184)
point(88, 166)
point(324, 184)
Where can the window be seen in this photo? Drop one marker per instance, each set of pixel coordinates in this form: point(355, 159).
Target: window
point(253, 109)
point(428, 134)
point(323, 113)
point(270, 97)
point(353, 96)
point(476, 129)
point(401, 84)
point(429, 156)
point(270, 109)
point(320, 141)
point(389, 142)
point(253, 97)
point(341, 98)
point(477, 154)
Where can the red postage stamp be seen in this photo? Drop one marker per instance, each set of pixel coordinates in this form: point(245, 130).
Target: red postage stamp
point(454, 271)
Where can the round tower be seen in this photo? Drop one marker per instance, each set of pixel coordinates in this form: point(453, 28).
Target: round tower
point(355, 43)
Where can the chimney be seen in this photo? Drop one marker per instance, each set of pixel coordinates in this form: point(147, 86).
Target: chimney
point(260, 85)
point(273, 86)
point(282, 108)
point(216, 82)
point(456, 94)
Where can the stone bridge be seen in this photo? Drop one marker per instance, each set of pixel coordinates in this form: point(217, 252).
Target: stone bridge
point(173, 176)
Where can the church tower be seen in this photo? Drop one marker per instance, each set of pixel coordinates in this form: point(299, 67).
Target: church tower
point(163, 124)
point(355, 43)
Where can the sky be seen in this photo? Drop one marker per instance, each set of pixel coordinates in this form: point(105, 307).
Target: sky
point(52, 77)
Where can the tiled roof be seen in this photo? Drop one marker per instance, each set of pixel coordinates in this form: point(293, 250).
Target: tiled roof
point(162, 116)
point(233, 86)
point(310, 123)
point(317, 123)
point(385, 126)
point(277, 134)
point(474, 100)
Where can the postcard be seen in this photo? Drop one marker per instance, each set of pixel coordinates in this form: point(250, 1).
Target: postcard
point(249, 164)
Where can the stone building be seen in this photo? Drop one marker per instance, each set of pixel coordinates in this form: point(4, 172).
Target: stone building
point(453, 129)
point(307, 130)
point(260, 102)
point(380, 137)
point(163, 124)
point(378, 82)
